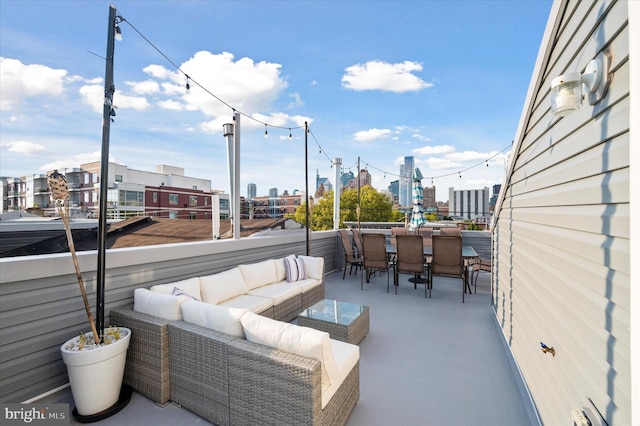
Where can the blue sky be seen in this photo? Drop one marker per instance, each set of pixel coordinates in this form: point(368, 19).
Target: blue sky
point(444, 81)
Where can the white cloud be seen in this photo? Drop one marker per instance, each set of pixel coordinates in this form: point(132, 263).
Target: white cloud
point(433, 150)
point(244, 84)
point(75, 161)
point(378, 75)
point(371, 134)
point(468, 156)
point(93, 95)
point(24, 147)
point(19, 81)
point(438, 163)
point(148, 87)
point(296, 100)
point(171, 105)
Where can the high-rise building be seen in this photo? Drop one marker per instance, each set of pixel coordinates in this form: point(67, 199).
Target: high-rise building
point(346, 177)
point(469, 203)
point(394, 189)
point(251, 190)
point(429, 202)
point(323, 181)
point(406, 181)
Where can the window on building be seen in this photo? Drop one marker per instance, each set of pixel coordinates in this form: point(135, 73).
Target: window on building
point(94, 178)
point(193, 200)
point(193, 215)
point(195, 187)
point(155, 197)
point(206, 201)
point(131, 198)
point(118, 178)
point(85, 178)
point(86, 197)
point(173, 199)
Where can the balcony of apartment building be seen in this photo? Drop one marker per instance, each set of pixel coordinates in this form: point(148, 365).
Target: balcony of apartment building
point(425, 361)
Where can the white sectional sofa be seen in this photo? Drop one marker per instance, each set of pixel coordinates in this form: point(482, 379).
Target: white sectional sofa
point(222, 346)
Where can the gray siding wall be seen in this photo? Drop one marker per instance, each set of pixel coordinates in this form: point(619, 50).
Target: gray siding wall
point(41, 306)
point(562, 228)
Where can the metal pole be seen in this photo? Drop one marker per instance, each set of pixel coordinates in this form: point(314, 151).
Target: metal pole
point(228, 133)
point(358, 207)
point(107, 111)
point(337, 163)
point(236, 177)
point(306, 182)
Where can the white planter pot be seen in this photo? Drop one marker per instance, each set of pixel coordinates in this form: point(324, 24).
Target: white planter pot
point(96, 374)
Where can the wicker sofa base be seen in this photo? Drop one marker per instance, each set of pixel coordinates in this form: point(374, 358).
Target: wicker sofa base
point(147, 367)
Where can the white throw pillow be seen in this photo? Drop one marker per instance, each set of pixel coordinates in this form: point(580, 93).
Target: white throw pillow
point(190, 286)
point(302, 341)
point(294, 268)
point(158, 304)
point(314, 266)
point(223, 286)
point(218, 318)
point(259, 274)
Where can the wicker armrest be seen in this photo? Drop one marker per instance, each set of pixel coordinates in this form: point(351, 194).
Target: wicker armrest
point(147, 367)
point(268, 386)
point(199, 371)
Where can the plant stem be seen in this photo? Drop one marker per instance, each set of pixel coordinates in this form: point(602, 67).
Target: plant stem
point(72, 248)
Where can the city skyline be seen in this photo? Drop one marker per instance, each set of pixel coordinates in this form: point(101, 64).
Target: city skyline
point(446, 87)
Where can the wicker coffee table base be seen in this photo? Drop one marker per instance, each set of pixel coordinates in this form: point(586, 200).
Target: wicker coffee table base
point(352, 333)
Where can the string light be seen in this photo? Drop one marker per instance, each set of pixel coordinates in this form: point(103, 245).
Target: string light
point(290, 136)
point(188, 87)
point(266, 133)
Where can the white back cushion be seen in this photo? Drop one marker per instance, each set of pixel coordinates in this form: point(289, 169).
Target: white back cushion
point(281, 274)
point(190, 286)
point(158, 304)
point(220, 287)
point(218, 318)
point(302, 341)
point(259, 274)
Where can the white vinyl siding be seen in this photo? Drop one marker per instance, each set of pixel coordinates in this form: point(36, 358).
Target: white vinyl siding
point(562, 228)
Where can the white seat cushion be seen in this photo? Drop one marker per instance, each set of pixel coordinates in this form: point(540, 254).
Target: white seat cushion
point(219, 318)
point(278, 292)
point(190, 286)
point(259, 274)
point(253, 303)
point(158, 304)
point(346, 356)
point(223, 286)
point(305, 285)
point(302, 341)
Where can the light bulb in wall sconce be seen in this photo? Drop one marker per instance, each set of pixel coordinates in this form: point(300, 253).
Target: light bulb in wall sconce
point(568, 90)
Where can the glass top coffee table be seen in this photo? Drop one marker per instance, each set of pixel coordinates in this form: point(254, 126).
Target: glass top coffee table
point(347, 322)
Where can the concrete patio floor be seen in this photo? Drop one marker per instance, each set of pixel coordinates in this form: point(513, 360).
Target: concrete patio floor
point(425, 362)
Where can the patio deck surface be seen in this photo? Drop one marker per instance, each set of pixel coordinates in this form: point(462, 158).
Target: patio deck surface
point(425, 362)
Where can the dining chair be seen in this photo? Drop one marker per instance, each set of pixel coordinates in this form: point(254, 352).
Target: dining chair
point(450, 231)
point(357, 239)
point(374, 257)
point(426, 236)
point(350, 257)
point(397, 231)
point(480, 265)
point(447, 258)
point(410, 260)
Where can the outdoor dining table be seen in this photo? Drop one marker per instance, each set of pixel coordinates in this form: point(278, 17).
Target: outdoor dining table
point(468, 253)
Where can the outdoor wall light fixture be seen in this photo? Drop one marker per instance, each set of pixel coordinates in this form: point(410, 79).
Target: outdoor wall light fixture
point(567, 91)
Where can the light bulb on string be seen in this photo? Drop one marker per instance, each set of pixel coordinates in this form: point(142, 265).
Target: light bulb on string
point(459, 175)
point(290, 136)
point(188, 87)
point(266, 133)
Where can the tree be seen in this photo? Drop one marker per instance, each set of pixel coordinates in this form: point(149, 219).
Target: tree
point(374, 207)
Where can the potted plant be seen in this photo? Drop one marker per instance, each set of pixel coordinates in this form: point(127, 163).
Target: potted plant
point(95, 360)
